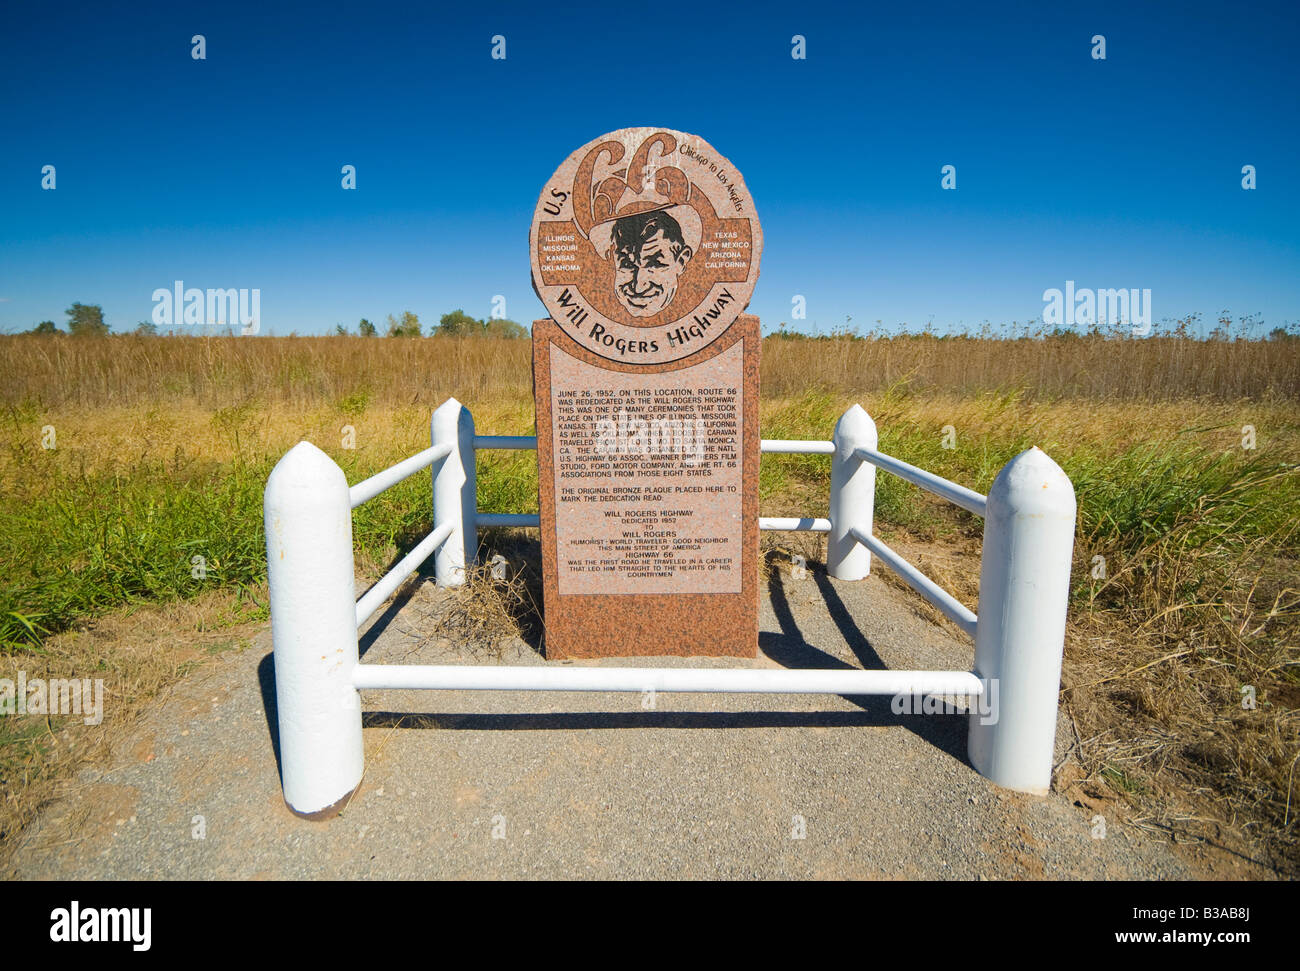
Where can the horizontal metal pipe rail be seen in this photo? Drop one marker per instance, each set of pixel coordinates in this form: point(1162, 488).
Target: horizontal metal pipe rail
point(516, 519)
point(367, 489)
point(505, 441)
point(780, 446)
point(533, 677)
point(381, 591)
point(794, 525)
point(951, 607)
point(968, 499)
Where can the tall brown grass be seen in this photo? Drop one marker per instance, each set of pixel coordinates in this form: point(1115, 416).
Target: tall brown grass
point(220, 371)
point(1062, 367)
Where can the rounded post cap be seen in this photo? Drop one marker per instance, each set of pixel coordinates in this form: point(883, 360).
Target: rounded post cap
point(452, 417)
point(856, 427)
point(1033, 484)
point(305, 466)
point(450, 407)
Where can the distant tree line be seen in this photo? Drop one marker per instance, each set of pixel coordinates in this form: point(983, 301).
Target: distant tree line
point(87, 320)
point(455, 324)
point(84, 320)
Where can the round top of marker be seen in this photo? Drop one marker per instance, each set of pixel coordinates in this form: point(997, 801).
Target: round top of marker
point(645, 245)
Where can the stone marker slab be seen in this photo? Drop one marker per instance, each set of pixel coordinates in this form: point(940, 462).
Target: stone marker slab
point(649, 498)
point(645, 248)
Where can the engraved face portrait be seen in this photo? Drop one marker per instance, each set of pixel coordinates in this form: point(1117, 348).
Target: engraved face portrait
point(648, 253)
point(645, 245)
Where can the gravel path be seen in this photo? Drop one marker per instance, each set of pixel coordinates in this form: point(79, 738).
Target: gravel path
point(507, 784)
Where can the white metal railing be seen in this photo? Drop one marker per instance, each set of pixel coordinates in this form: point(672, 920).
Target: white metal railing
point(952, 608)
point(315, 616)
point(482, 677)
point(959, 495)
point(374, 597)
point(366, 490)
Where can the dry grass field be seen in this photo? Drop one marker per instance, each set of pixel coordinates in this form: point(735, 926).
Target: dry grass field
point(1182, 667)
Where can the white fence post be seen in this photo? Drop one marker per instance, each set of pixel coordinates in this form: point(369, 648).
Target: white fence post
point(455, 492)
point(1020, 635)
point(853, 496)
point(308, 519)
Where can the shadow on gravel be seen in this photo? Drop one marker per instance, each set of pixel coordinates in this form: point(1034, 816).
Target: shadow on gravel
point(266, 681)
point(403, 596)
point(789, 649)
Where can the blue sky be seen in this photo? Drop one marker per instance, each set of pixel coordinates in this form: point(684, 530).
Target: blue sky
point(225, 172)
